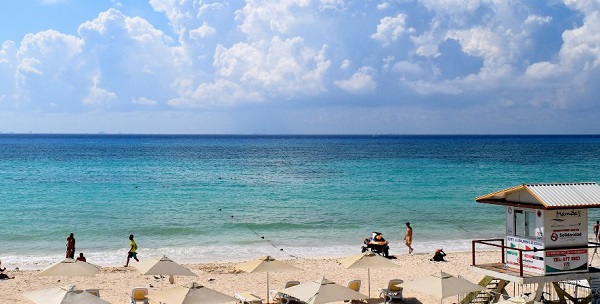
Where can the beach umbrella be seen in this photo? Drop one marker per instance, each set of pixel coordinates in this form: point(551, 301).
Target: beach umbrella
point(367, 260)
point(192, 293)
point(70, 268)
point(323, 291)
point(162, 266)
point(442, 285)
point(63, 295)
point(266, 264)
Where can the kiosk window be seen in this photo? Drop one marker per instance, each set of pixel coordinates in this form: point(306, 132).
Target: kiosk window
point(524, 223)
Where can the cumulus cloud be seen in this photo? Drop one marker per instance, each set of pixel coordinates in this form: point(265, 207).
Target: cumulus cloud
point(362, 82)
point(99, 97)
point(232, 55)
point(390, 29)
point(203, 31)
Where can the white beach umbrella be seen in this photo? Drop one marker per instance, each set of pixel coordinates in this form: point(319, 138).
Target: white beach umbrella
point(266, 264)
point(323, 291)
point(191, 294)
point(442, 285)
point(63, 295)
point(162, 266)
point(70, 268)
point(367, 260)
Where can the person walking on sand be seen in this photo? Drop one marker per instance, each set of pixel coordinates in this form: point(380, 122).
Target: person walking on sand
point(132, 253)
point(70, 247)
point(408, 237)
point(596, 230)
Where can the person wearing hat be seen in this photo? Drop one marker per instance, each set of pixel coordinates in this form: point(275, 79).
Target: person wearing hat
point(408, 237)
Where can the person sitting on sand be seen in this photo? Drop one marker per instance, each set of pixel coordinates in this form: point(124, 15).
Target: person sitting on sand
point(438, 256)
point(4, 276)
point(81, 257)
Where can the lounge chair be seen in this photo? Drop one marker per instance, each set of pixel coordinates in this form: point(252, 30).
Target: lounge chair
point(283, 298)
point(248, 298)
point(392, 292)
point(95, 292)
point(354, 285)
point(139, 295)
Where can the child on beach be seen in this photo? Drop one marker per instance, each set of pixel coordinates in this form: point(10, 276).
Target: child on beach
point(132, 253)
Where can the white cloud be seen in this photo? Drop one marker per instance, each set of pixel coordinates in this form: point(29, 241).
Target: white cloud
point(451, 7)
point(543, 70)
point(259, 17)
point(362, 82)
point(390, 29)
point(201, 32)
point(144, 101)
point(99, 97)
point(407, 68)
point(383, 6)
point(581, 48)
point(345, 64)
point(535, 19)
point(479, 42)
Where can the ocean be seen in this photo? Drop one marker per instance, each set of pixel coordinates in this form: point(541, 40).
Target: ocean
point(209, 198)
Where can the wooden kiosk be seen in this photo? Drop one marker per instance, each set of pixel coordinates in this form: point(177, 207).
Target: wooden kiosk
point(546, 238)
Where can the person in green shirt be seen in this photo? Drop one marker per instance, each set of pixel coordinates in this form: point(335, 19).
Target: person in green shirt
point(132, 253)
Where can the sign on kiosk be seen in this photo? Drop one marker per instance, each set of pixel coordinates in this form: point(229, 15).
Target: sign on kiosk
point(530, 229)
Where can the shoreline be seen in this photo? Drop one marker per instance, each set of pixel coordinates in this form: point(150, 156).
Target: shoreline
point(115, 283)
point(222, 254)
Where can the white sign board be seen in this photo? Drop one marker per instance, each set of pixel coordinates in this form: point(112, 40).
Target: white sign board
point(566, 227)
point(570, 260)
point(532, 261)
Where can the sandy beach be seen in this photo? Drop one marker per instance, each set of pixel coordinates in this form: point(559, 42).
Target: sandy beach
point(116, 283)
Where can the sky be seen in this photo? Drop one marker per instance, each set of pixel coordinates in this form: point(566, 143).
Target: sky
point(300, 66)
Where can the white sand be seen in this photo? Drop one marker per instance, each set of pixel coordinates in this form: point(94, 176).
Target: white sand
point(115, 283)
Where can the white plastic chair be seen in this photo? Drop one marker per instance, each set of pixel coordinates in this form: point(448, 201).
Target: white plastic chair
point(95, 292)
point(139, 295)
point(392, 292)
point(283, 298)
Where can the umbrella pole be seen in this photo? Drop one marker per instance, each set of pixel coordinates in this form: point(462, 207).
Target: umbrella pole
point(369, 278)
point(268, 301)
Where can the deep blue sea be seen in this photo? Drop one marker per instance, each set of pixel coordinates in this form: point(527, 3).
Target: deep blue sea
point(223, 198)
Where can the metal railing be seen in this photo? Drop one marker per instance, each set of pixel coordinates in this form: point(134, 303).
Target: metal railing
point(493, 243)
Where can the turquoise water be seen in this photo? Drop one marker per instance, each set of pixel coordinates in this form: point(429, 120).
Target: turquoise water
point(209, 198)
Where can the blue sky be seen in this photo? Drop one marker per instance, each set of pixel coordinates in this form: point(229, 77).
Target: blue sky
point(300, 67)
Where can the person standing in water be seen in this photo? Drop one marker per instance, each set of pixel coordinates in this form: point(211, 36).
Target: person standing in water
point(408, 237)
